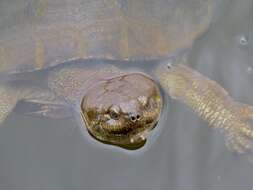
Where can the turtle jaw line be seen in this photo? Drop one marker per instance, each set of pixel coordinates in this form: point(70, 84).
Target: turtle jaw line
point(122, 132)
point(132, 140)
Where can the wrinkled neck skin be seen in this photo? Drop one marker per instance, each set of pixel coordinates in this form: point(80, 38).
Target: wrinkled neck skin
point(90, 83)
point(74, 79)
point(72, 83)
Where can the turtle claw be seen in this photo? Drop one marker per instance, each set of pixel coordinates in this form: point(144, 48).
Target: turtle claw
point(8, 101)
point(240, 134)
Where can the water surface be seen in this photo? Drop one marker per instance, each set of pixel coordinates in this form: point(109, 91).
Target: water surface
point(182, 152)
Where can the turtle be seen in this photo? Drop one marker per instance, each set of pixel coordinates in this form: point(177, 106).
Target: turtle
point(88, 59)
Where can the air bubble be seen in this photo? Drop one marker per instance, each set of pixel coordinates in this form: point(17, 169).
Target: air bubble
point(169, 65)
point(243, 41)
point(250, 70)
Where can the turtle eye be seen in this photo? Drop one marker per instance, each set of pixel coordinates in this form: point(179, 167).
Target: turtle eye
point(114, 112)
point(169, 65)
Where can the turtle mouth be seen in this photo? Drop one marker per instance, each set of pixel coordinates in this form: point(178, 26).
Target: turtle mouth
point(125, 133)
point(131, 140)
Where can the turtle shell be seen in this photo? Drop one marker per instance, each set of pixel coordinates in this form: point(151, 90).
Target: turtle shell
point(36, 34)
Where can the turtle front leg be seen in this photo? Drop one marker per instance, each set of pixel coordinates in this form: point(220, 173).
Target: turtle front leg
point(42, 102)
point(212, 103)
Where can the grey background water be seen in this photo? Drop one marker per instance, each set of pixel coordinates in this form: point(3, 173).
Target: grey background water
point(182, 153)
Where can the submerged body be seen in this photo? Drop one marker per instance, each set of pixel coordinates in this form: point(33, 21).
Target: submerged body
point(212, 103)
point(44, 34)
point(117, 107)
point(41, 33)
point(121, 108)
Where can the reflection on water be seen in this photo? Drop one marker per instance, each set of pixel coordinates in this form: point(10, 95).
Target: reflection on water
point(182, 152)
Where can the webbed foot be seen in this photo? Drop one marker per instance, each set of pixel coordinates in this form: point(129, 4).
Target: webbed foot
point(240, 134)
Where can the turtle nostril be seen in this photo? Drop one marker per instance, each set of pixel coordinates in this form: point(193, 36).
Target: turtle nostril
point(133, 118)
point(169, 65)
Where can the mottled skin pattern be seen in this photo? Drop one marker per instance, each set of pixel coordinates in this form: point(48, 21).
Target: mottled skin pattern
point(212, 103)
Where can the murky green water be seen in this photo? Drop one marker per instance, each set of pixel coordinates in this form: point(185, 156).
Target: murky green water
point(182, 152)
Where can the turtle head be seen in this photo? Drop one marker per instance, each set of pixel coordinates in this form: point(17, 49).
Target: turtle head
point(122, 110)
